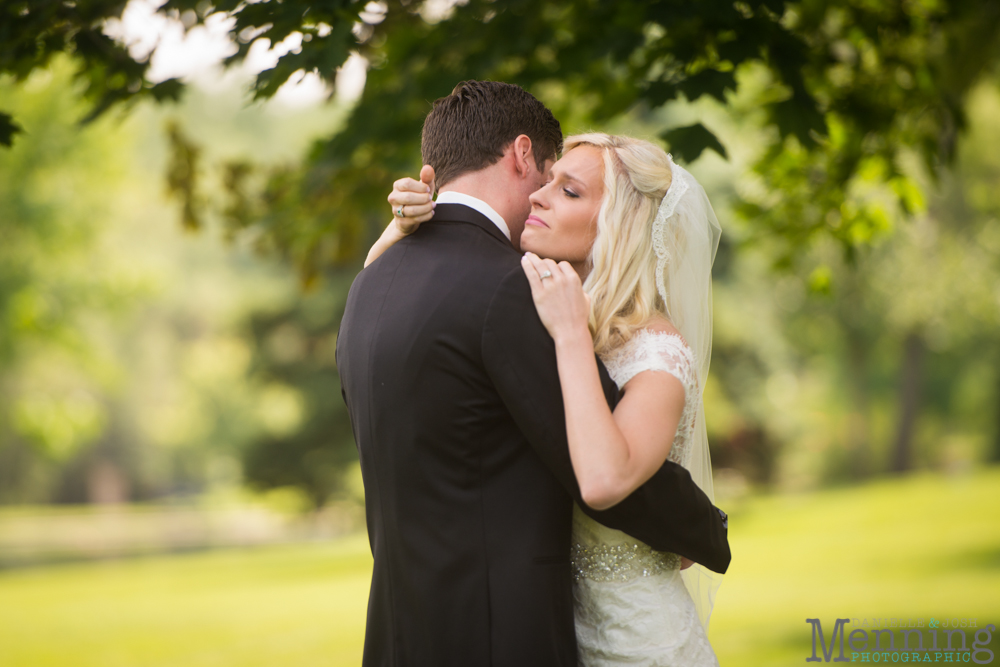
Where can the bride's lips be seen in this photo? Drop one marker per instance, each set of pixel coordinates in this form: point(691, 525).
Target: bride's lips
point(535, 221)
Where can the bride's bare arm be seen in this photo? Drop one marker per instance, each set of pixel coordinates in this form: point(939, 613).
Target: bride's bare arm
point(613, 454)
point(389, 238)
point(413, 199)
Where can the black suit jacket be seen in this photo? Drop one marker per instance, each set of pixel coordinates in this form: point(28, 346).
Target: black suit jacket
point(452, 387)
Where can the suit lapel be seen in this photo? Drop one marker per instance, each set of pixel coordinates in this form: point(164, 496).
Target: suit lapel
point(463, 213)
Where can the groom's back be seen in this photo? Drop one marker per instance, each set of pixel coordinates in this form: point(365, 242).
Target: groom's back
point(468, 529)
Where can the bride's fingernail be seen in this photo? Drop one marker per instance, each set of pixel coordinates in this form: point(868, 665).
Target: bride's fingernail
point(434, 204)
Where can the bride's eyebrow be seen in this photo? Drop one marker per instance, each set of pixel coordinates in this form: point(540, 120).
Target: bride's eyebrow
point(566, 176)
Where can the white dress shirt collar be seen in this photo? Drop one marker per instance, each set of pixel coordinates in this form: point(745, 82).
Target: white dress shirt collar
point(451, 197)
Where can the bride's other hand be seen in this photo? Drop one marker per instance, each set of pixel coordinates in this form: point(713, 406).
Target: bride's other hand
point(413, 198)
point(562, 305)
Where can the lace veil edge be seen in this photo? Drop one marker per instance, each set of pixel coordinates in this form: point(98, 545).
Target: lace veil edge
point(686, 235)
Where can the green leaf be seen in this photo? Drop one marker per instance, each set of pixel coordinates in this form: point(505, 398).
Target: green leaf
point(659, 93)
point(170, 89)
point(687, 143)
point(8, 128)
point(708, 82)
point(798, 116)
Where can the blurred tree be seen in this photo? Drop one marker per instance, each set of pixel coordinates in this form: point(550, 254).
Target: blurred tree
point(308, 441)
point(884, 360)
point(842, 92)
point(851, 83)
point(124, 355)
point(52, 208)
point(33, 33)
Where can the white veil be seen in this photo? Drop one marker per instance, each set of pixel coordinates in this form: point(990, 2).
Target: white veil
point(686, 236)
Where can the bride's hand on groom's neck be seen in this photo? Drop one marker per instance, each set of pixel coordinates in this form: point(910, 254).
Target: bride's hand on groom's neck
point(412, 202)
point(412, 205)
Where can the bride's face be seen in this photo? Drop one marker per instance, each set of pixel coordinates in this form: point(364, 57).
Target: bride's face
point(563, 221)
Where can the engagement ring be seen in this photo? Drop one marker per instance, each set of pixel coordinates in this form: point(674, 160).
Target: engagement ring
point(399, 211)
point(547, 274)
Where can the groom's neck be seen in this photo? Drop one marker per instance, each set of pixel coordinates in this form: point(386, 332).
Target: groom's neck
point(504, 194)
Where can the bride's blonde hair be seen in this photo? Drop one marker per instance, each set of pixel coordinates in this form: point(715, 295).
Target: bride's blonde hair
point(622, 281)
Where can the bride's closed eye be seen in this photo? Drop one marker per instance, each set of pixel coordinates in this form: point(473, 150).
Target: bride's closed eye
point(571, 194)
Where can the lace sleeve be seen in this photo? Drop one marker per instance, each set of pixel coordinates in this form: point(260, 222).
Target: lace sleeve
point(657, 351)
point(654, 351)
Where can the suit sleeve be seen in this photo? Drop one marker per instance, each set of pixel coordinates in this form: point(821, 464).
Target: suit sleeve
point(669, 512)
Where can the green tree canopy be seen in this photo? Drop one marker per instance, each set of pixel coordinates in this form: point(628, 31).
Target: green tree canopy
point(850, 85)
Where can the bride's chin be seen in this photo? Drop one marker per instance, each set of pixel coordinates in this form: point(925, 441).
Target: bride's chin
point(526, 243)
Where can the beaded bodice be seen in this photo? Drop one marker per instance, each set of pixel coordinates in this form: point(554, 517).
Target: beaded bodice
point(603, 554)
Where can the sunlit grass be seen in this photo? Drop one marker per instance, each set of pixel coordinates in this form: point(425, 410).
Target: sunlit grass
point(919, 547)
point(302, 605)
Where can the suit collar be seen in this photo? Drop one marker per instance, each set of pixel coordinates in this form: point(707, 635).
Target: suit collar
point(463, 213)
point(454, 197)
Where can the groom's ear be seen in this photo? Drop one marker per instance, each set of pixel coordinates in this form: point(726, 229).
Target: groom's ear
point(524, 157)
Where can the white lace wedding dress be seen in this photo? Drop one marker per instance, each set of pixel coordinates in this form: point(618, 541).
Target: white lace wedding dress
point(630, 604)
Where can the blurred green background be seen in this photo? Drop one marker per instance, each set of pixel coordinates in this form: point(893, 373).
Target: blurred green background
point(178, 480)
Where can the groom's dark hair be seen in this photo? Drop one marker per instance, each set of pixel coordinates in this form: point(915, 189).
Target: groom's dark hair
point(469, 129)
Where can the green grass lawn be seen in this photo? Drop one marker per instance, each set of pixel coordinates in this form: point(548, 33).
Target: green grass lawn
point(919, 547)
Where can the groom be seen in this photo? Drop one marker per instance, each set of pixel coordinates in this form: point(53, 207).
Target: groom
point(453, 392)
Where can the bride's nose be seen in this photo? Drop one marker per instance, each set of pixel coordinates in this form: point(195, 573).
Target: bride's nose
point(539, 197)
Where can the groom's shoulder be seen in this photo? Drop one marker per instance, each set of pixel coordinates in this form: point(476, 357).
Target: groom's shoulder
point(466, 249)
point(455, 253)
point(511, 294)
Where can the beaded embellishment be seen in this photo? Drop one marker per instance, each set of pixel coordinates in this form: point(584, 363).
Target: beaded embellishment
point(620, 562)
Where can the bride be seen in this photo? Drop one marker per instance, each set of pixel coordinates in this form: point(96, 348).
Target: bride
point(619, 250)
